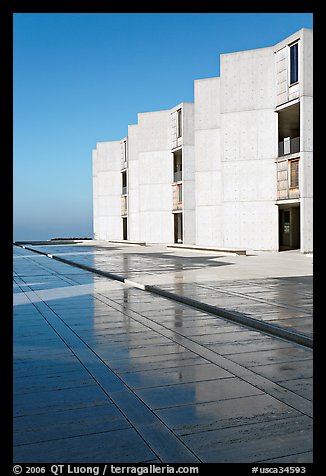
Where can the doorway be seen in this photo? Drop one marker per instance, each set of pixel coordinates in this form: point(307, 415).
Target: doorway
point(289, 228)
point(178, 228)
point(124, 229)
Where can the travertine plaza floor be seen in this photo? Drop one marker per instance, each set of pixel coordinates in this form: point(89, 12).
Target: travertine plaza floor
point(106, 372)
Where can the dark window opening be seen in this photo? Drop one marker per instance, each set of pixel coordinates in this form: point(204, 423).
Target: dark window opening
point(178, 228)
point(124, 182)
point(179, 123)
point(177, 166)
point(294, 63)
point(289, 228)
point(124, 229)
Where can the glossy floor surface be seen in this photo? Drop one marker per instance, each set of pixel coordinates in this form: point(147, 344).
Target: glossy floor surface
point(272, 287)
point(105, 372)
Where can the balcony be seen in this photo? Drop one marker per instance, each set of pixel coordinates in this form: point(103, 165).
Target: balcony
point(177, 166)
point(177, 176)
point(124, 184)
point(289, 146)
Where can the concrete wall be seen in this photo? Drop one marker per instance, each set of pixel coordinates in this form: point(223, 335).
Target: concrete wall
point(209, 185)
point(188, 174)
point(306, 135)
point(95, 194)
point(307, 62)
point(189, 201)
point(154, 176)
point(133, 184)
point(107, 191)
point(248, 149)
point(306, 173)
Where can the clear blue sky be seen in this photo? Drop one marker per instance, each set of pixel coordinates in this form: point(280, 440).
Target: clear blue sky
point(82, 78)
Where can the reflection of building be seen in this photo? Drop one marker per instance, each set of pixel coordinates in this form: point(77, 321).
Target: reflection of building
point(232, 170)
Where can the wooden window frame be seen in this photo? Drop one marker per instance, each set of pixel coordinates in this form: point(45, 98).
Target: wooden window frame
point(296, 184)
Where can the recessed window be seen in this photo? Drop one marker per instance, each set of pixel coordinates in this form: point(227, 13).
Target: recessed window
point(125, 150)
point(179, 188)
point(294, 173)
point(294, 63)
point(124, 182)
point(179, 123)
point(177, 166)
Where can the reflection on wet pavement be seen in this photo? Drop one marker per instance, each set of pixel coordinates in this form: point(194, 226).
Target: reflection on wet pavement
point(284, 301)
point(135, 377)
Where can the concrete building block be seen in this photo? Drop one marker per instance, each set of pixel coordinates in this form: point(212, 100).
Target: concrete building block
point(106, 187)
point(235, 188)
point(155, 167)
point(306, 224)
point(249, 180)
point(247, 80)
point(306, 125)
point(162, 232)
point(133, 225)
point(307, 69)
point(207, 192)
point(153, 131)
point(251, 225)
point(249, 135)
point(207, 103)
point(207, 150)
point(306, 175)
point(188, 137)
point(155, 197)
point(209, 225)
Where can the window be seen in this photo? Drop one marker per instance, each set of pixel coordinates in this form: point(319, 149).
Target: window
point(178, 228)
point(294, 173)
point(124, 182)
point(124, 229)
point(294, 63)
point(179, 123)
point(177, 166)
point(125, 150)
point(179, 188)
point(124, 205)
